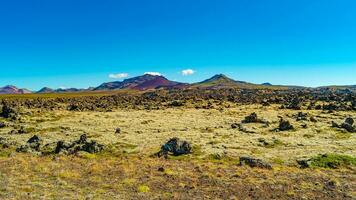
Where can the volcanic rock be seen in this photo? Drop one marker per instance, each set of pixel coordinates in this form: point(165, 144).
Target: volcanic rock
point(253, 162)
point(176, 147)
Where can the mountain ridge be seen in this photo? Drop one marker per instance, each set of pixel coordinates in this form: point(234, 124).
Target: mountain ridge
point(148, 82)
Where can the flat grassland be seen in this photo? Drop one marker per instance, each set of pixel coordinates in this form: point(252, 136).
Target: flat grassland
point(126, 168)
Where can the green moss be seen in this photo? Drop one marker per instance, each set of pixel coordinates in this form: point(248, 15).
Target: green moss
point(4, 152)
point(129, 181)
point(143, 189)
point(278, 161)
point(333, 161)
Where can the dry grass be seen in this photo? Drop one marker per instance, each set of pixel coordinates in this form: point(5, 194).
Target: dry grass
point(126, 170)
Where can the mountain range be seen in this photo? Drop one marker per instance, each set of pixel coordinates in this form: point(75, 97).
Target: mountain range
point(147, 82)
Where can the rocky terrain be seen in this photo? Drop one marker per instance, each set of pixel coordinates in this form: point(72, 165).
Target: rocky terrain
point(203, 142)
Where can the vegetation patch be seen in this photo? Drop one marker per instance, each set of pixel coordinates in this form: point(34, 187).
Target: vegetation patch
point(143, 189)
point(332, 161)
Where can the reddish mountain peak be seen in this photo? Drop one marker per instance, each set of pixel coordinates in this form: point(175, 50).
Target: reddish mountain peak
point(153, 83)
point(10, 89)
point(144, 82)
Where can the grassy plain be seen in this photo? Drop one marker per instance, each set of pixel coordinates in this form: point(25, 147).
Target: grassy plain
point(127, 170)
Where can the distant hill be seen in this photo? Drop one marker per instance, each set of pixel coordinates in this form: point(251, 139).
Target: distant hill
point(143, 82)
point(10, 89)
point(45, 90)
point(61, 90)
point(222, 81)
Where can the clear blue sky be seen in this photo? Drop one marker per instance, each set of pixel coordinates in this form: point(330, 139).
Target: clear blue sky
point(78, 43)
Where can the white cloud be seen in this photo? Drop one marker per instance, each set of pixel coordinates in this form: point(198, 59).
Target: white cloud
point(62, 87)
point(187, 72)
point(118, 76)
point(153, 73)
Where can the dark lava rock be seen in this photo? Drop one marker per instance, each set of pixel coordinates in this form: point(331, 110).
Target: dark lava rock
point(353, 105)
point(313, 119)
point(32, 146)
point(347, 125)
point(118, 130)
point(304, 163)
point(285, 125)
point(2, 125)
point(301, 116)
point(10, 112)
point(235, 125)
point(21, 130)
point(34, 139)
point(252, 118)
point(176, 103)
point(295, 104)
point(253, 162)
point(349, 120)
point(334, 124)
point(241, 128)
point(80, 145)
point(176, 147)
point(265, 102)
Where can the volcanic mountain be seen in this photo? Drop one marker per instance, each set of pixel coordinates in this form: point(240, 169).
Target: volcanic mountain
point(143, 82)
point(10, 89)
point(45, 90)
point(222, 81)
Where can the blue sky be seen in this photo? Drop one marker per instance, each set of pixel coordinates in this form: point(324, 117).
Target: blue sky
point(78, 43)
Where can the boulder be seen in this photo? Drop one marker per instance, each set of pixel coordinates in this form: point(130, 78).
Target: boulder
point(80, 145)
point(301, 116)
point(253, 162)
point(176, 147)
point(285, 125)
point(118, 130)
point(252, 118)
point(32, 146)
point(304, 163)
point(347, 125)
point(349, 120)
